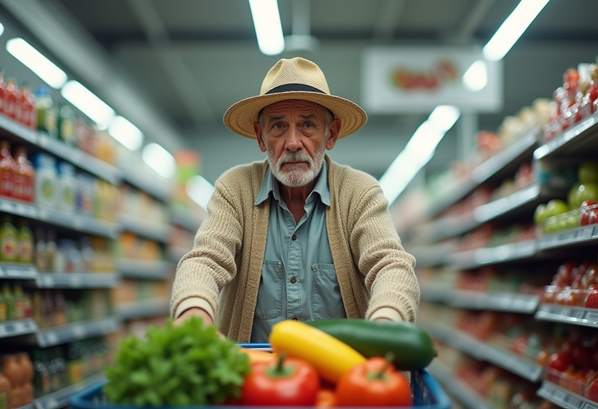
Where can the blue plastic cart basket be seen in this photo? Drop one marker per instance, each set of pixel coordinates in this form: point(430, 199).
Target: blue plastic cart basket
point(427, 393)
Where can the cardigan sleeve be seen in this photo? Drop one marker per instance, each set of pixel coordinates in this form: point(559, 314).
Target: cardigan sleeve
point(210, 265)
point(387, 267)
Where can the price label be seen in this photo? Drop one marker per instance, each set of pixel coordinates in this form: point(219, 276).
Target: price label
point(592, 316)
point(48, 338)
point(76, 281)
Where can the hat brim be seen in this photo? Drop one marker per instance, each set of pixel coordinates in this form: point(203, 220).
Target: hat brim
point(241, 116)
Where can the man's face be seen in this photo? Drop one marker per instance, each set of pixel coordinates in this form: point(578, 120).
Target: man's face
point(295, 134)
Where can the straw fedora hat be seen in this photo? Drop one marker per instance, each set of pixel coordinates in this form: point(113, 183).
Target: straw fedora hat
point(295, 78)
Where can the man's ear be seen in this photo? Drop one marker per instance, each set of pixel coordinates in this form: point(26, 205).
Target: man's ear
point(335, 127)
point(258, 136)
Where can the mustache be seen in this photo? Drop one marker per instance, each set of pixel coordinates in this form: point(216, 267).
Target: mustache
point(295, 157)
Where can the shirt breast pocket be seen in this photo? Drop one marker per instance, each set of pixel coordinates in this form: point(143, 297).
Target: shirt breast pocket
point(326, 295)
point(270, 294)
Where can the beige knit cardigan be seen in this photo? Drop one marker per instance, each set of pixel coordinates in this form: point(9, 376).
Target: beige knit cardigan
point(221, 274)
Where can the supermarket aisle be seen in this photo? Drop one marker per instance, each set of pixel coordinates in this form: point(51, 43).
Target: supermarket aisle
point(507, 259)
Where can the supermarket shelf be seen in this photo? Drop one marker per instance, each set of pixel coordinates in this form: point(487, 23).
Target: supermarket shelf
point(564, 398)
point(184, 218)
point(521, 200)
point(517, 202)
point(581, 236)
point(431, 256)
point(518, 365)
point(17, 328)
point(79, 158)
point(17, 130)
point(494, 255)
point(71, 221)
point(150, 270)
point(494, 168)
point(76, 280)
point(76, 331)
point(143, 309)
point(157, 190)
point(458, 389)
point(65, 152)
point(160, 234)
point(17, 271)
point(28, 406)
point(60, 399)
point(176, 254)
point(506, 302)
point(574, 141)
point(587, 317)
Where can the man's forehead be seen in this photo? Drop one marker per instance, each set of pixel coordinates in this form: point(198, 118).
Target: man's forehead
point(293, 104)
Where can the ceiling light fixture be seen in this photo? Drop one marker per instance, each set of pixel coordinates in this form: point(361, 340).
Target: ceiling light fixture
point(268, 28)
point(36, 62)
point(512, 28)
point(476, 76)
point(418, 152)
point(159, 159)
point(126, 133)
point(200, 190)
point(1, 29)
point(88, 103)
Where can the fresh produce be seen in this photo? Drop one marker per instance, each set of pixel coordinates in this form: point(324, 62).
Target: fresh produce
point(285, 382)
point(188, 364)
point(373, 383)
point(326, 398)
point(592, 390)
point(588, 213)
point(581, 192)
point(412, 347)
point(256, 356)
point(588, 172)
point(592, 299)
point(331, 357)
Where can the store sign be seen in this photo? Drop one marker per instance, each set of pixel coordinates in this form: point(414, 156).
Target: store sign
point(417, 79)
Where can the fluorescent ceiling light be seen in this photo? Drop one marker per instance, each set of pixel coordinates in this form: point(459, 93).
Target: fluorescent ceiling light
point(512, 28)
point(200, 190)
point(476, 76)
point(36, 62)
point(268, 29)
point(159, 159)
point(1, 29)
point(418, 151)
point(126, 133)
point(88, 103)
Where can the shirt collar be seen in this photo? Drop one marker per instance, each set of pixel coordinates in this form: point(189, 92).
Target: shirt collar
point(270, 184)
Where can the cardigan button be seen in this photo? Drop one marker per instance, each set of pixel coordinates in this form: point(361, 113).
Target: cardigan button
point(294, 237)
point(293, 280)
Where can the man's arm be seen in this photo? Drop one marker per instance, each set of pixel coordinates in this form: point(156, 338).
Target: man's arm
point(210, 265)
point(379, 255)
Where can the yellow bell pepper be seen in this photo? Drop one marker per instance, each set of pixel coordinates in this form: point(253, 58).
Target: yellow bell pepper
point(331, 357)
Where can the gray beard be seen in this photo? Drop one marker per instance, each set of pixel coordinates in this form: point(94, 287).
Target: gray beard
point(298, 178)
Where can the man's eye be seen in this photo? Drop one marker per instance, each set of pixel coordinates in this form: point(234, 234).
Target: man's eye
point(308, 124)
point(277, 125)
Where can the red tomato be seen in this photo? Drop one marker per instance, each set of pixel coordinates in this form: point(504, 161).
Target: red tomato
point(592, 390)
point(373, 383)
point(287, 382)
point(592, 299)
point(559, 361)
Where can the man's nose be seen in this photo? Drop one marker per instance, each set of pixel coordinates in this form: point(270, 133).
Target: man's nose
point(293, 144)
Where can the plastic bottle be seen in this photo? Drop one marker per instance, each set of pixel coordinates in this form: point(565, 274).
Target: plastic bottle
point(8, 242)
point(8, 169)
point(66, 125)
point(41, 260)
point(10, 101)
point(67, 188)
point(3, 308)
point(29, 116)
point(46, 111)
point(45, 182)
point(25, 177)
point(9, 302)
point(2, 93)
point(25, 244)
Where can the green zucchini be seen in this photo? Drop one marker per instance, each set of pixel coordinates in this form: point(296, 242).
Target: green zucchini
point(410, 346)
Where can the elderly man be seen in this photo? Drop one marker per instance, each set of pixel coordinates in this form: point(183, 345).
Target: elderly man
point(296, 236)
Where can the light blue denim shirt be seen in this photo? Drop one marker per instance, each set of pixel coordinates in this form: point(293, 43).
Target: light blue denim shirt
point(298, 276)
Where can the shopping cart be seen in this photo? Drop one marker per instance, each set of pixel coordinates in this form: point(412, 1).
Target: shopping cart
point(427, 393)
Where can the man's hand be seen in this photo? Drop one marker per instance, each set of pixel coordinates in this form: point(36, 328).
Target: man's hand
point(194, 312)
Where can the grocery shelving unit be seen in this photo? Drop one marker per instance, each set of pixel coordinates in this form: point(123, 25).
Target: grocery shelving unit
point(37, 336)
point(434, 246)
